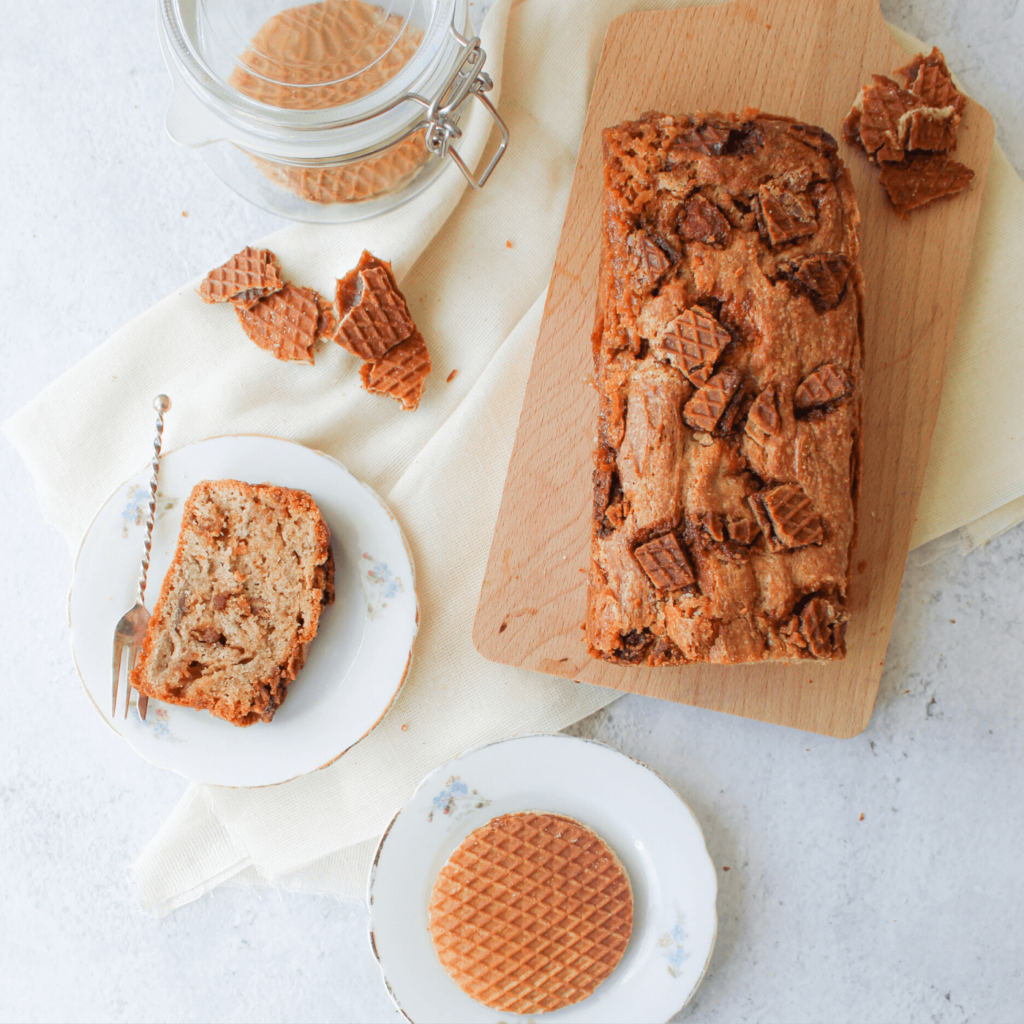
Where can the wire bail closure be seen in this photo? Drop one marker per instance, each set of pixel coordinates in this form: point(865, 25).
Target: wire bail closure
point(442, 122)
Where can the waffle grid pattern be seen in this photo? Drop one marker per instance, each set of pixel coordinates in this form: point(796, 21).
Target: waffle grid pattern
point(247, 277)
point(531, 913)
point(794, 520)
point(705, 408)
point(323, 55)
point(763, 418)
point(882, 106)
point(827, 384)
point(400, 372)
point(378, 321)
point(285, 323)
point(698, 339)
point(665, 563)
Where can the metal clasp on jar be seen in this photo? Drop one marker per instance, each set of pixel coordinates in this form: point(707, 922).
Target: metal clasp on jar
point(442, 121)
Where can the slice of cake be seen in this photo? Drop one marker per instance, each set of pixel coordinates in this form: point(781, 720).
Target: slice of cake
point(240, 603)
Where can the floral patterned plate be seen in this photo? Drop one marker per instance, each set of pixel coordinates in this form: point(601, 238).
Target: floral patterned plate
point(641, 817)
point(356, 665)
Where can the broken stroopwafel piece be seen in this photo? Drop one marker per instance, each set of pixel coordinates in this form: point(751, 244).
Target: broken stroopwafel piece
point(400, 372)
point(531, 913)
point(910, 131)
point(374, 314)
point(376, 325)
point(285, 324)
point(250, 275)
point(923, 178)
point(693, 342)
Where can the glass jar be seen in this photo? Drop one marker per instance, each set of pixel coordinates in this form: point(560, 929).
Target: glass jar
point(330, 111)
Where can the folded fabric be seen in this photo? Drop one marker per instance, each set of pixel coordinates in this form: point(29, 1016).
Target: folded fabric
point(474, 272)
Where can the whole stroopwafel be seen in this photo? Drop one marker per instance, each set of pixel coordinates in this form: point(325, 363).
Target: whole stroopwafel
point(322, 55)
point(400, 372)
point(285, 323)
point(250, 275)
point(531, 913)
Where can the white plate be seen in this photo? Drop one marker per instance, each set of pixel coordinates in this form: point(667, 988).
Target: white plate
point(356, 665)
point(642, 819)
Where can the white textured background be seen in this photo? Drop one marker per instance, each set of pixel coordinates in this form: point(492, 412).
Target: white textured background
point(915, 913)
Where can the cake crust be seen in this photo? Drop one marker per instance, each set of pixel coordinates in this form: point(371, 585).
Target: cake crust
point(240, 603)
point(728, 353)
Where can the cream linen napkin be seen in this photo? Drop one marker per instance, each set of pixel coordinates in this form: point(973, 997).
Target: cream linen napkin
point(479, 303)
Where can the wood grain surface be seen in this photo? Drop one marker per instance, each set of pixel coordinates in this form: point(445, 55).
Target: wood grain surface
point(806, 59)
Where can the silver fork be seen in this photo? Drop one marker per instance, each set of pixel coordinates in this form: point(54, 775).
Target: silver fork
point(131, 630)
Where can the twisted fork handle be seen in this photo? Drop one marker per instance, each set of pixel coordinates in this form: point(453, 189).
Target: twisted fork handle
point(161, 403)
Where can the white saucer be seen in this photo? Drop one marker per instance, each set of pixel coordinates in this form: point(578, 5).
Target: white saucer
point(642, 819)
point(356, 665)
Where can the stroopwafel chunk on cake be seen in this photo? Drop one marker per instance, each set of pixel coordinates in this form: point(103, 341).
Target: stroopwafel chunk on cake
point(531, 913)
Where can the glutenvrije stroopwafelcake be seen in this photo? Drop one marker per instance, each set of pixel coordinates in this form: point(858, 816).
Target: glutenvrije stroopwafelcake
point(728, 353)
point(240, 603)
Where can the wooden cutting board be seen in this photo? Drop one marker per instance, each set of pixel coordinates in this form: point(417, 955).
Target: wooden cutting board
point(806, 59)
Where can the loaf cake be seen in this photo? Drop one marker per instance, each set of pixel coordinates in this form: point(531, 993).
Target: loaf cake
point(728, 357)
point(531, 913)
point(240, 603)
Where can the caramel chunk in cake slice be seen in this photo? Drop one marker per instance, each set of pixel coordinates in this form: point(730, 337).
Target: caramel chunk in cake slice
point(700, 221)
point(784, 215)
point(247, 277)
point(728, 358)
point(791, 515)
point(531, 913)
point(763, 419)
point(240, 603)
point(816, 625)
point(285, 324)
point(374, 314)
point(650, 256)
